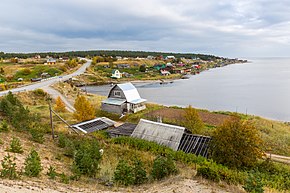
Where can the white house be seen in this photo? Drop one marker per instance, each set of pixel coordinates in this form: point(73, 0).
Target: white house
point(116, 74)
point(123, 98)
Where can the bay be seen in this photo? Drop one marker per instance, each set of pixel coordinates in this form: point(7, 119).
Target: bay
point(260, 87)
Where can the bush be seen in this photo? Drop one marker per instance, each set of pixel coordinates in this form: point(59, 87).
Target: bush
point(209, 172)
point(87, 158)
point(4, 126)
point(253, 184)
point(140, 175)
point(163, 167)
point(37, 135)
point(236, 144)
point(124, 174)
point(61, 140)
point(40, 92)
point(192, 121)
point(64, 178)
point(32, 164)
point(15, 146)
point(51, 172)
point(8, 168)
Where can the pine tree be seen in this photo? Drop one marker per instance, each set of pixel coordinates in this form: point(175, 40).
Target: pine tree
point(192, 120)
point(32, 164)
point(84, 110)
point(59, 105)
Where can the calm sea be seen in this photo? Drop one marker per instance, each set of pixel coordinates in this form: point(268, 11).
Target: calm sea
point(260, 87)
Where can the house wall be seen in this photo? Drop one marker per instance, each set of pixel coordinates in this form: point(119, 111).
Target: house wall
point(113, 108)
point(111, 94)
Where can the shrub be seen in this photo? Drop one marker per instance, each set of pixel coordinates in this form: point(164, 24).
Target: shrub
point(40, 92)
point(140, 175)
point(8, 168)
point(32, 164)
point(4, 126)
point(61, 140)
point(163, 167)
point(87, 158)
point(192, 120)
point(209, 172)
point(236, 144)
point(37, 135)
point(15, 146)
point(84, 109)
point(64, 178)
point(51, 172)
point(253, 184)
point(59, 105)
point(124, 174)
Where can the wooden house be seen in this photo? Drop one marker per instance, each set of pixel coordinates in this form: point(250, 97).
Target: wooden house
point(51, 61)
point(123, 98)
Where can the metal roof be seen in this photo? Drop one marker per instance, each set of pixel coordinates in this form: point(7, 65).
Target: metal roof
point(114, 101)
point(125, 129)
point(130, 92)
point(161, 133)
point(94, 125)
point(196, 144)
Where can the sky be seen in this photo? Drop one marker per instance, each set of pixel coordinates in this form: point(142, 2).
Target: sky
point(229, 28)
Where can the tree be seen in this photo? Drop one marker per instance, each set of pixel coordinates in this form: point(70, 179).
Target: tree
point(192, 120)
point(142, 68)
point(59, 105)
point(32, 164)
point(236, 143)
point(84, 110)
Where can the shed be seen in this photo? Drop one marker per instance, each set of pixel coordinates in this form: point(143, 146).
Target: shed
point(94, 125)
point(116, 74)
point(161, 133)
point(125, 129)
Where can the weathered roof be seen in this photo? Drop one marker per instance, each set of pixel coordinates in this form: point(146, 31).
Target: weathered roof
point(94, 125)
point(130, 92)
point(196, 144)
point(161, 133)
point(114, 101)
point(125, 129)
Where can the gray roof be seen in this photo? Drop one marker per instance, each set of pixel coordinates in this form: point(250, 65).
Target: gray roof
point(94, 125)
point(125, 129)
point(161, 133)
point(130, 93)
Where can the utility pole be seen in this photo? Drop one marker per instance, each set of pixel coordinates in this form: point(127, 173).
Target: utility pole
point(51, 120)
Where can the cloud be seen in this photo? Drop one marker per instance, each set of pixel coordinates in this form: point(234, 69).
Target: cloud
point(227, 28)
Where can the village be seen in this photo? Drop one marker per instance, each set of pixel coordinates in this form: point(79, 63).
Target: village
point(123, 128)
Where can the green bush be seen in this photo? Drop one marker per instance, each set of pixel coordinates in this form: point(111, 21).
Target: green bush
point(253, 184)
point(209, 172)
point(51, 172)
point(15, 146)
point(32, 164)
point(37, 135)
point(4, 126)
point(40, 92)
point(64, 178)
point(163, 167)
point(8, 168)
point(124, 174)
point(61, 140)
point(87, 158)
point(139, 172)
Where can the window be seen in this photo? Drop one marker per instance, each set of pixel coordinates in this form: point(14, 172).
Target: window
point(117, 93)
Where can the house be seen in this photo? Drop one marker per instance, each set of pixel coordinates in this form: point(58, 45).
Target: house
point(51, 61)
point(123, 98)
point(170, 58)
point(159, 66)
point(116, 74)
point(161, 133)
point(123, 66)
point(164, 72)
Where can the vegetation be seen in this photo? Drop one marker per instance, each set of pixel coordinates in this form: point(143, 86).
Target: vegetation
point(192, 120)
point(124, 174)
point(32, 164)
point(84, 110)
point(253, 184)
point(59, 105)
point(8, 168)
point(4, 126)
point(51, 172)
point(15, 146)
point(237, 144)
point(163, 167)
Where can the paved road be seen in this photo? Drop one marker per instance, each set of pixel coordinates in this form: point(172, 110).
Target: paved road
point(50, 81)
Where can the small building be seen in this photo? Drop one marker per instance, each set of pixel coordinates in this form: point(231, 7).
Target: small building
point(116, 74)
point(125, 129)
point(170, 58)
point(164, 72)
point(51, 61)
point(159, 66)
point(123, 98)
point(123, 66)
point(161, 133)
point(96, 124)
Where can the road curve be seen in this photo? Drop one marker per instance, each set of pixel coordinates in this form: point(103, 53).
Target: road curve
point(49, 81)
